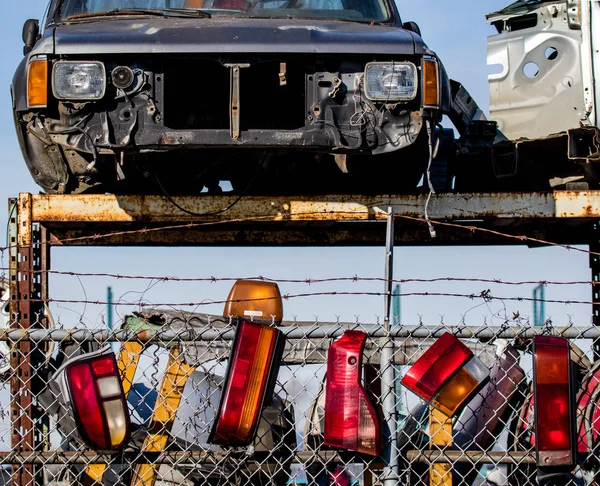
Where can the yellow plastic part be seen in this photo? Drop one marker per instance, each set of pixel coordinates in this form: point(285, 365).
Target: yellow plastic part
point(167, 403)
point(127, 362)
point(440, 432)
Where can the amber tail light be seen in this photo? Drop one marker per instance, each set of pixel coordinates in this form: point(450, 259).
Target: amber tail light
point(554, 400)
point(98, 402)
point(350, 419)
point(447, 375)
point(249, 383)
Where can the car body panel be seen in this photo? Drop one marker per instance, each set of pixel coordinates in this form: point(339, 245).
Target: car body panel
point(229, 35)
point(539, 89)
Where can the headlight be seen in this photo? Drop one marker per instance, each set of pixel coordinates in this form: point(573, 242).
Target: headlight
point(391, 81)
point(73, 80)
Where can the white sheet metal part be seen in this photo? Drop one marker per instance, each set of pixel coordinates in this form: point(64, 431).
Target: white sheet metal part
point(540, 88)
point(590, 19)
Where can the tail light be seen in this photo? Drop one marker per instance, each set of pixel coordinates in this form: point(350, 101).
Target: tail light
point(553, 402)
point(350, 419)
point(447, 375)
point(250, 381)
point(588, 413)
point(98, 402)
point(254, 361)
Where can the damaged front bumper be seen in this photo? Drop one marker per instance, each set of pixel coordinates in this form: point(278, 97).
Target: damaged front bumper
point(255, 106)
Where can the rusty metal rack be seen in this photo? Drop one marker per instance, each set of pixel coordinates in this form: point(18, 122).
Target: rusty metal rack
point(39, 222)
point(329, 220)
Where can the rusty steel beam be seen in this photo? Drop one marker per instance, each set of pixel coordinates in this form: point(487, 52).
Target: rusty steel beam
point(314, 234)
point(98, 208)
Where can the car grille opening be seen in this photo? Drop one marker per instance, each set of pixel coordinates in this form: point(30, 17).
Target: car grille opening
point(197, 96)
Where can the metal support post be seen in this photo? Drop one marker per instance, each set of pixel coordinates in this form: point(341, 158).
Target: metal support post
point(595, 267)
point(28, 286)
point(21, 416)
point(387, 369)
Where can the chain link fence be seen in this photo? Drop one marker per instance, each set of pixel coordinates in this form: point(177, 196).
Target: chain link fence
point(173, 365)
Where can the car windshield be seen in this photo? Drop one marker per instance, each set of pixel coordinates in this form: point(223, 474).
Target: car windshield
point(361, 10)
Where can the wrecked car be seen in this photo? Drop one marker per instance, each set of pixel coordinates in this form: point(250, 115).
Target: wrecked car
point(540, 63)
point(174, 96)
point(543, 59)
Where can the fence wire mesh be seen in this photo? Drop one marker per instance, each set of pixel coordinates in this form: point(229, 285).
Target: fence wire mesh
point(173, 365)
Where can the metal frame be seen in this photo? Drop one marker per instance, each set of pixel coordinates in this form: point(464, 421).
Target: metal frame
point(38, 222)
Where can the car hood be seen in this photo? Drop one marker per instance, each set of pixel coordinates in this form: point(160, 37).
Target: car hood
point(169, 35)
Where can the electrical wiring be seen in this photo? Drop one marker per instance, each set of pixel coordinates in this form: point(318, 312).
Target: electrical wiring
point(212, 213)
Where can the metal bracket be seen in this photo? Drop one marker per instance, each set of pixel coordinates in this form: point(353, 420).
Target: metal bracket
point(337, 86)
point(282, 74)
point(234, 101)
point(574, 14)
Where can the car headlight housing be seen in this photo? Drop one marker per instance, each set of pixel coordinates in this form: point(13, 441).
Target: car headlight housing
point(78, 81)
point(391, 82)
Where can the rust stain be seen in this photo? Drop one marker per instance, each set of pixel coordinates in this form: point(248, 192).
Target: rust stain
point(588, 210)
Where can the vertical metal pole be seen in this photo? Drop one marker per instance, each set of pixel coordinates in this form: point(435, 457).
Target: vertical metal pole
point(21, 277)
point(539, 307)
point(43, 264)
point(396, 308)
point(388, 376)
point(595, 267)
point(109, 309)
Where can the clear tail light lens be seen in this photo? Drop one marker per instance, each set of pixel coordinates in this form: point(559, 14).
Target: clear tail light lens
point(98, 402)
point(249, 384)
point(447, 375)
point(553, 402)
point(350, 419)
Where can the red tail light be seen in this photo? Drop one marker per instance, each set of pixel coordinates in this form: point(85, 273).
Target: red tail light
point(588, 419)
point(350, 419)
point(554, 402)
point(447, 375)
point(249, 385)
point(98, 402)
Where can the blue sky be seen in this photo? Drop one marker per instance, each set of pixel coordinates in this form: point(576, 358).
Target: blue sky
point(457, 31)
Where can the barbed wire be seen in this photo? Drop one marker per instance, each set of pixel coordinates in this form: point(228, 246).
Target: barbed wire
point(522, 238)
point(485, 295)
point(312, 281)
